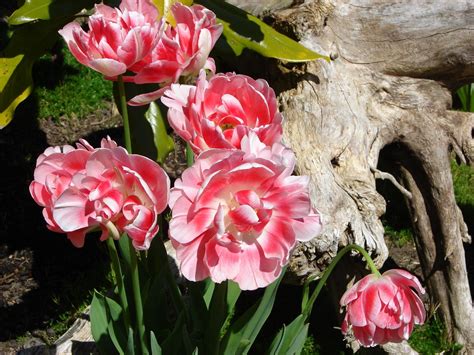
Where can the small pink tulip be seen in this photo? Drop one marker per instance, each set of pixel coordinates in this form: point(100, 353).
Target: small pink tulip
point(237, 214)
point(117, 38)
point(383, 309)
point(218, 113)
point(85, 189)
point(182, 51)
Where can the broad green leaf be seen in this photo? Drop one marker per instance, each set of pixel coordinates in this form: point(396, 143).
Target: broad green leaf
point(155, 347)
point(130, 343)
point(116, 331)
point(34, 10)
point(200, 294)
point(233, 293)
point(16, 84)
point(153, 306)
point(243, 332)
point(218, 311)
point(305, 296)
point(243, 30)
point(164, 7)
point(290, 339)
point(98, 317)
point(115, 338)
point(163, 142)
point(209, 286)
point(16, 62)
point(174, 343)
point(99, 324)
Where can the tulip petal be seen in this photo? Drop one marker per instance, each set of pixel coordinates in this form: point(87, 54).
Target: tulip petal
point(71, 211)
point(108, 67)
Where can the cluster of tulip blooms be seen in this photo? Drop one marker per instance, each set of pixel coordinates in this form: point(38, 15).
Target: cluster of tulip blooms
point(238, 211)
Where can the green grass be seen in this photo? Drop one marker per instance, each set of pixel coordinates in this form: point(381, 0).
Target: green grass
point(463, 180)
point(432, 338)
point(68, 89)
point(400, 237)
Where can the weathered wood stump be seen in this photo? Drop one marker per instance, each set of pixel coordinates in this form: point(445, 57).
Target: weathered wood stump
point(389, 86)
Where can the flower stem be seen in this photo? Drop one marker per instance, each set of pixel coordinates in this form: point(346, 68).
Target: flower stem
point(117, 271)
point(123, 106)
point(330, 268)
point(140, 325)
point(189, 155)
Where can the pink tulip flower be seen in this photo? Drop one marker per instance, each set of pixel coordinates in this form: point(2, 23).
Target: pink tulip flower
point(85, 189)
point(383, 309)
point(218, 113)
point(237, 214)
point(117, 38)
point(182, 51)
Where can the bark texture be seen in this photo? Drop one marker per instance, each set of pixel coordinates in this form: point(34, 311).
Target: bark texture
point(388, 86)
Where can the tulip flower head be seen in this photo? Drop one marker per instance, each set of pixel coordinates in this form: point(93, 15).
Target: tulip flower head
point(83, 189)
point(382, 309)
point(218, 113)
point(117, 39)
point(183, 51)
point(237, 214)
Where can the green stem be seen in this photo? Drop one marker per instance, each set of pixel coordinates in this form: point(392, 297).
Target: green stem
point(189, 155)
point(140, 325)
point(123, 106)
point(117, 270)
point(330, 268)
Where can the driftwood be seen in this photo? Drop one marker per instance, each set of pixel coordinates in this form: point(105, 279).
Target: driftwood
point(388, 87)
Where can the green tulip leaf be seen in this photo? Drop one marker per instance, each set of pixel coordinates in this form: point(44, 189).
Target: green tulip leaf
point(155, 347)
point(243, 30)
point(116, 332)
point(16, 62)
point(242, 333)
point(16, 84)
point(290, 339)
point(163, 142)
point(98, 316)
point(34, 10)
point(130, 343)
point(178, 339)
point(100, 323)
